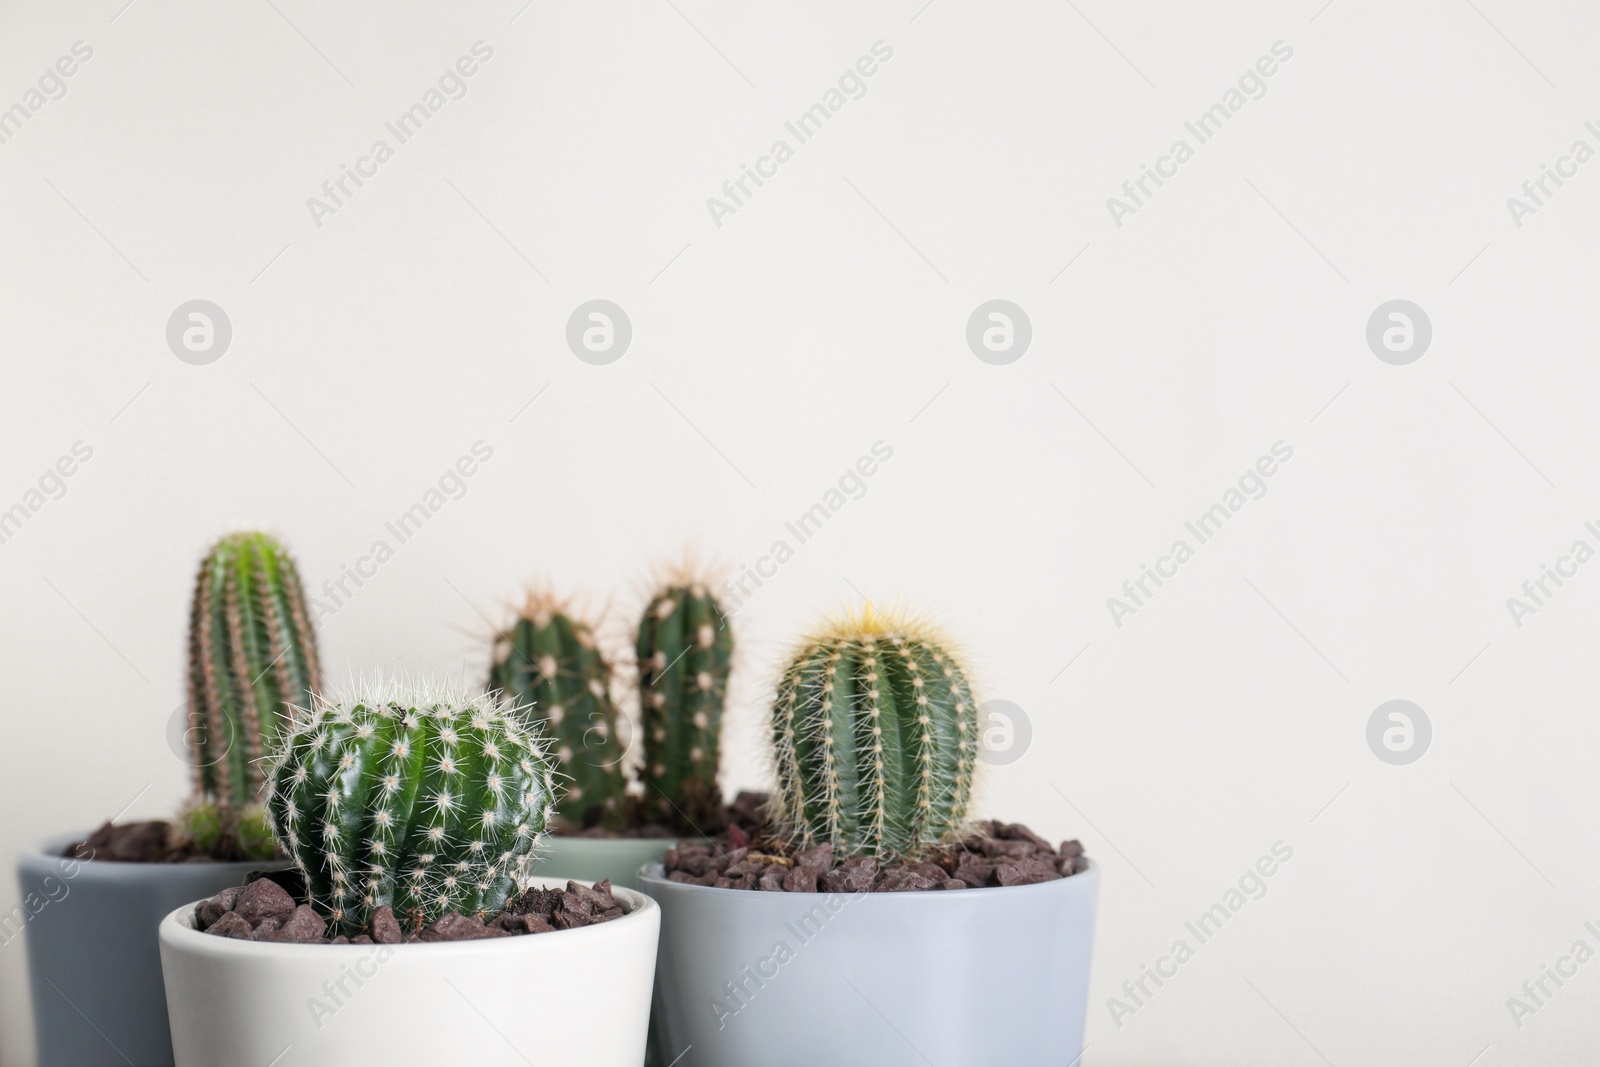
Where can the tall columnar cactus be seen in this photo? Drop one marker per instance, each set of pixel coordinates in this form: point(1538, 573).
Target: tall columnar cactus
point(420, 798)
point(252, 655)
point(548, 663)
point(876, 736)
point(685, 649)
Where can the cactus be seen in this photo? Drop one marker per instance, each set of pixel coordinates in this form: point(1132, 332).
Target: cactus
point(876, 736)
point(423, 799)
point(685, 650)
point(223, 832)
point(548, 662)
point(252, 655)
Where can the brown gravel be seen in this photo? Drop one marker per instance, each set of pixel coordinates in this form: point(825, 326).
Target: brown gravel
point(135, 842)
point(995, 854)
point(745, 812)
point(271, 907)
point(155, 841)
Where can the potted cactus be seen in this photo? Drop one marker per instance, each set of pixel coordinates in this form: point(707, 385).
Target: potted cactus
point(92, 953)
point(411, 814)
point(872, 921)
point(549, 661)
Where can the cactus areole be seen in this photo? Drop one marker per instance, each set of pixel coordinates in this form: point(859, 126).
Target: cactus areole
point(426, 800)
point(875, 730)
point(548, 663)
point(685, 650)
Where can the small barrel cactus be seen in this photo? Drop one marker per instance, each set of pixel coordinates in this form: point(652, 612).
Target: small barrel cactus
point(548, 664)
point(685, 649)
point(422, 799)
point(876, 735)
point(252, 655)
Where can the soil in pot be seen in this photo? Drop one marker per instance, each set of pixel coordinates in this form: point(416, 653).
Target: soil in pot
point(273, 907)
point(995, 854)
point(745, 813)
point(154, 841)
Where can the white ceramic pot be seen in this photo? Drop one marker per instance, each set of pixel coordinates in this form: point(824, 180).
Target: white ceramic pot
point(93, 961)
point(572, 996)
point(591, 859)
point(943, 978)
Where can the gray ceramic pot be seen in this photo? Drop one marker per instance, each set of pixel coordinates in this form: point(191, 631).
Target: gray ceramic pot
point(94, 961)
point(590, 859)
point(941, 978)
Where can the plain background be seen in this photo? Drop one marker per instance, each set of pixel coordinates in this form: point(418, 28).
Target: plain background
point(828, 313)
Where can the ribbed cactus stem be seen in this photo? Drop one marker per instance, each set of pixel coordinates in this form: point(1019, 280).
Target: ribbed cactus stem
point(252, 655)
point(685, 650)
point(876, 736)
point(550, 664)
point(425, 800)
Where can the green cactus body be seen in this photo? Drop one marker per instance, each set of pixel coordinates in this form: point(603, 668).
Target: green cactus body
point(549, 664)
point(685, 650)
point(425, 801)
point(252, 654)
point(876, 735)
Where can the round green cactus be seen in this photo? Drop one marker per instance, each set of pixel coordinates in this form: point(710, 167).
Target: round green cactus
point(252, 656)
point(875, 730)
point(685, 649)
point(549, 664)
point(420, 798)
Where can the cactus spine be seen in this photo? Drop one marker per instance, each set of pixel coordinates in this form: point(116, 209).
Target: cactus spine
point(422, 799)
point(548, 663)
point(252, 654)
point(876, 736)
point(685, 649)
